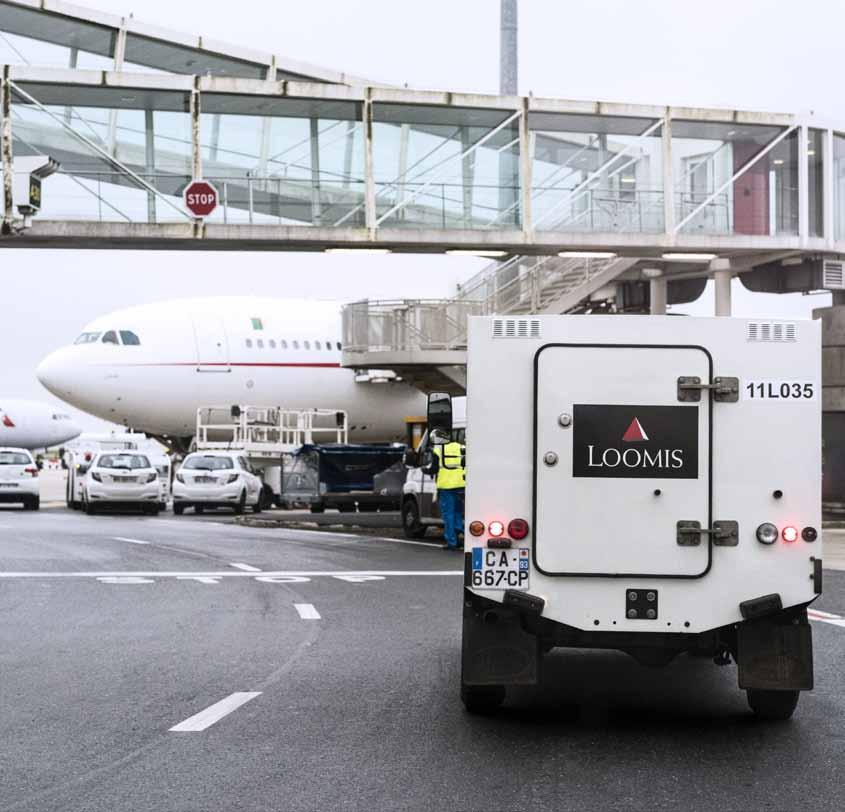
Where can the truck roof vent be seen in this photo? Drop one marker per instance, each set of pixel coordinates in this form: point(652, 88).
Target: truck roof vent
point(516, 328)
point(772, 331)
point(833, 275)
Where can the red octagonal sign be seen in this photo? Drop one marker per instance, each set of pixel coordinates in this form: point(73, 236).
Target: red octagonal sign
point(201, 198)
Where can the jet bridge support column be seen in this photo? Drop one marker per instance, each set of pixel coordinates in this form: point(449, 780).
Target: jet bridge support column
point(6, 148)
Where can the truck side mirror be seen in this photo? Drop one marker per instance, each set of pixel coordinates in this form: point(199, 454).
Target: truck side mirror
point(412, 459)
point(440, 412)
point(235, 412)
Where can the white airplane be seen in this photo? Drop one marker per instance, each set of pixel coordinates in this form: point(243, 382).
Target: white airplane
point(151, 367)
point(30, 424)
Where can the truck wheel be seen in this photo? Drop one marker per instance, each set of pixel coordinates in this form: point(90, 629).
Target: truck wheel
point(178, 510)
point(482, 699)
point(411, 524)
point(773, 706)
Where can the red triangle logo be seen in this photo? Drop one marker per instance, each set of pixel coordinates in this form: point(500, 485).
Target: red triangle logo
point(635, 433)
point(7, 422)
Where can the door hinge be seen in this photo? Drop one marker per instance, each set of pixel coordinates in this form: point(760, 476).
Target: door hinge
point(725, 390)
point(724, 533)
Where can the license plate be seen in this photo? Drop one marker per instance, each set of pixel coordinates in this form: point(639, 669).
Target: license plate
point(500, 569)
point(205, 480)
point(8, 484)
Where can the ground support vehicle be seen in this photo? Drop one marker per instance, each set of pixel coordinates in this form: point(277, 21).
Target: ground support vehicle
point(266, 435)
point(646, 484)
point(121, 480)
point(340, 477)
point(216, 479)
point(19, 483)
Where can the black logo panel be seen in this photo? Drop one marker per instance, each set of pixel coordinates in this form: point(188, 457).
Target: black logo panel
point(635, 442)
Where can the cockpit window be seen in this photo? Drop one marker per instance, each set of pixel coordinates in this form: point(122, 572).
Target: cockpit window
point(88, 338)
point(110, 338)
point(129, 339)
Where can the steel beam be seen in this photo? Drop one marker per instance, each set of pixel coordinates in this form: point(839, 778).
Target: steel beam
point(6, 149)
point(668, 178)
point(150, 160)
point(370, 216)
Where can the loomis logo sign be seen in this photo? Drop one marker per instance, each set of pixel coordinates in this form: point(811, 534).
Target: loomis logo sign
point(654, 442)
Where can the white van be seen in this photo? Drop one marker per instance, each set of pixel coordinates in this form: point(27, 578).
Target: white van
point(19, 483)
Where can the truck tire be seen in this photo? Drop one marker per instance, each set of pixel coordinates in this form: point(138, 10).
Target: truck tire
point(482, 700)
point(773, 706)
point(178, 509)
point(411, 524)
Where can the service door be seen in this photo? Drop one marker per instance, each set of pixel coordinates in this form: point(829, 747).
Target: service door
point(619, 461)
point(212, 343)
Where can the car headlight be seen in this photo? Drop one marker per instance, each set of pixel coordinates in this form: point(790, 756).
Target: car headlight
point(232, 478)
point(180, 478)
point(152, 478)
point(96, 477)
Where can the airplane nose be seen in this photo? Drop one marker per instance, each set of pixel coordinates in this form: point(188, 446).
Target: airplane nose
point(55, 373)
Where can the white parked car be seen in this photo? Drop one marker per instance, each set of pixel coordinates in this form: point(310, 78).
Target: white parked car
point(19, 482)
point(212, 479)
point(121, 479)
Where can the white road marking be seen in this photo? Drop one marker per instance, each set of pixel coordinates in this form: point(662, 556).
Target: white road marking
point(282, 579)
point(130, 541)
point(358, 579)
point(206, 718)
point(826, 617)
point(307, 611)
point(229, 574)
point(125, 580)
point(245, 567)
point(199, 579)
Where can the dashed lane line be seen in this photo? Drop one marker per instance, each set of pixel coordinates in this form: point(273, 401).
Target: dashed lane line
point(245, 567)
point(307, 611)
point(826, 617)
point(213, 714)
point(129, 541)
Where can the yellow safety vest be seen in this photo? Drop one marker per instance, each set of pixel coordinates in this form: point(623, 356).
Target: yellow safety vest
point(451, 473)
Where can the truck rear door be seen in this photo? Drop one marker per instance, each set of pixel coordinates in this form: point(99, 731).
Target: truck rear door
point(620, 461)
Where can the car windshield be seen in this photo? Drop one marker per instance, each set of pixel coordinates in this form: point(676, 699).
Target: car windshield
point(129, 462)
point(14, 458)
point(208, 464)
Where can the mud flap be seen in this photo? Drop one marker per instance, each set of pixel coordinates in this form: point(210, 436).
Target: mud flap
point(775, 656)
point(496, 649)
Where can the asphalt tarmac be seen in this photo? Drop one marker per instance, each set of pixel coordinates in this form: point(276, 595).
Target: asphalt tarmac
point(312, 671)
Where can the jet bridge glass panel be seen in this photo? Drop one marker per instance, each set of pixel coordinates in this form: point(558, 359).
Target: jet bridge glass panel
point(596, 173)
point(446, 167)
point(619, 461)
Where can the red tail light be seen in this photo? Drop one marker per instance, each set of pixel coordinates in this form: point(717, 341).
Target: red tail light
point(790, 534)
point(33, 472)
point(518, 529)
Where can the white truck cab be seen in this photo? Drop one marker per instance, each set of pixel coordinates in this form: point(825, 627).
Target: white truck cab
point(647, 484)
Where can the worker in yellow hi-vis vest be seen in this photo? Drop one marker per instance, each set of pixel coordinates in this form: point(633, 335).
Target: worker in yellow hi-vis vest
point(448, 468)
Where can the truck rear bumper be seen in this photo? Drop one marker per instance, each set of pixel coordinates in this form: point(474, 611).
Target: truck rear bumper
point(502, 645)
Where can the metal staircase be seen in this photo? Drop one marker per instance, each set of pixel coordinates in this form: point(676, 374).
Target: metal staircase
point(425, 341)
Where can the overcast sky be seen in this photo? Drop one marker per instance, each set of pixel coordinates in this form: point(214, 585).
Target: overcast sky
point(754, 54)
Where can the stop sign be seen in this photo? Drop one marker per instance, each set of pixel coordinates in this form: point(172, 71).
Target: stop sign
point(201, 198)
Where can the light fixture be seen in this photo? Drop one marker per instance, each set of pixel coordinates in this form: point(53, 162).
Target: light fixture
point(587, 254)
point(767, 533)
point(811, 152)
point(778, 161)
point(628, 179)
point(689, 257)
point(731, 132)
point(483, 252)
point(357, 250)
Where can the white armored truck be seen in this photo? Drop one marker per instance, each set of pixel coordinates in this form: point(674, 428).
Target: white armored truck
point(646, 484)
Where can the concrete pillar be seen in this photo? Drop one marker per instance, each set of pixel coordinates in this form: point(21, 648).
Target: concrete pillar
point(657, 291)
point(369, 177)
point(833, 407)
point(316, 200)
point(150, 160)
point(509, 48)
point(6, 148)
point(722, 281)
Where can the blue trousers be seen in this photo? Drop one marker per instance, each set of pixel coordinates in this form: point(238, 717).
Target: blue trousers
point(452, 510)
